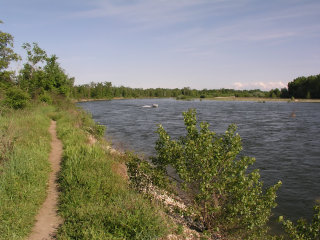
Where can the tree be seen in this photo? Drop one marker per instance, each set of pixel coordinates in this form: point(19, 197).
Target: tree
point(35, 54)
point(50, 77)
point(7, 55)
point(32, 76)
point(227, 198)
point(6, 50)
point(56, 79)
point(274, 93)
point(305, 87)
point(284, 93)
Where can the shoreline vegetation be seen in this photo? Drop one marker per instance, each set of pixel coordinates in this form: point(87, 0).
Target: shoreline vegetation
point(299, 88)
point(229, 98)
point(107, 195)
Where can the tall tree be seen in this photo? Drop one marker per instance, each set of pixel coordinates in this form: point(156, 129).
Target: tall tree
point(7, 55)
point(35, 55)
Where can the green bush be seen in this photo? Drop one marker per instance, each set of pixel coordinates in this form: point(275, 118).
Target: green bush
point(302, 230)
point(46, 98)
point(227, 199)
point(16, 98)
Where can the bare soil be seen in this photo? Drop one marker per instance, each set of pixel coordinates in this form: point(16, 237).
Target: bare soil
point(47, 220)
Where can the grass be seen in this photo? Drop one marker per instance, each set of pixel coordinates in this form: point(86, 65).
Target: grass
point(96, 203)
point(24, 168)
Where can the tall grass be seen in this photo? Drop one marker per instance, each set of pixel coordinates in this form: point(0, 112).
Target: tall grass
point(24, 168)
point(95, 202)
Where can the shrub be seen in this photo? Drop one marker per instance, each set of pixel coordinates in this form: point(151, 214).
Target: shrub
point(46, 98)
point(226, 198)
point(302, 230)
point(17, 98)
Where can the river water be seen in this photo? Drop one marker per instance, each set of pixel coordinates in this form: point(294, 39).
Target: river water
point(283, 137)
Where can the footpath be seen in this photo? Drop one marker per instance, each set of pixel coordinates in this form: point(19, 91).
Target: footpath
point(47, 220)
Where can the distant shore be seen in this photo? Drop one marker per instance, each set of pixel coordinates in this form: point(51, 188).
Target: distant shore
point(253, 99)
point(230, 98)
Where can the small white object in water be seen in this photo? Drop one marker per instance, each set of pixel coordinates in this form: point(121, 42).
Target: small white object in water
point(146, 106)
point(155, 105)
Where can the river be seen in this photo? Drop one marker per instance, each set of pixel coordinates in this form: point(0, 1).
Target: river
point(283, 137)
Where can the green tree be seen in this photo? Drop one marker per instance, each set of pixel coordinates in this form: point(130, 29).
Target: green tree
point(7, 55)
point(227, 198)
point(305, 87)
point(32, 76)
point(274, 93)
point(48, 77)
point(56, 79)
point(284, 93)
point(35, 54)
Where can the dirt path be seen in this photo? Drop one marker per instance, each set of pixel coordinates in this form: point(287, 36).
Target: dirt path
point(47, 220)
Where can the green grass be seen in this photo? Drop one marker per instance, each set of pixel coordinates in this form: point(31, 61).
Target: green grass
point(24, 168)
point(95, 202)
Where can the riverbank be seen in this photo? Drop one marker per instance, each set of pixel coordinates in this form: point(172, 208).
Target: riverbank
point(95, 200)
point(230, 98)
point(109, 99)
point(251, 99)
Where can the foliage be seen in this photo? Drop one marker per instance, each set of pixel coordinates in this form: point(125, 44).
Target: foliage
point(6, 50)
point(284, 93)
point(226, 197)
point(56, 79)
point(302, 230)
point(45, 97)
point(16, 98)
point(35, 54)
point(274, 93)
point(105, 90)
point(305, 87)
point(49, 76)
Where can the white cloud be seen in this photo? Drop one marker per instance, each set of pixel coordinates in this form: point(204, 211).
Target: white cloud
point(259, 85)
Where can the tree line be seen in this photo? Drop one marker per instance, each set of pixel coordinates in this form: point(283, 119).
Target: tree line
point(301, 87)
point(107, 90)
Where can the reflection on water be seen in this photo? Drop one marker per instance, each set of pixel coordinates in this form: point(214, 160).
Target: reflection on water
point(285, 145)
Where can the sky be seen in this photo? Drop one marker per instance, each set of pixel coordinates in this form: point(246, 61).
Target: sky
point(240, 44)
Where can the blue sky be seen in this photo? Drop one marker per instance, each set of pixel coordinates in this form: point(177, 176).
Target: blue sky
point(242, 44)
